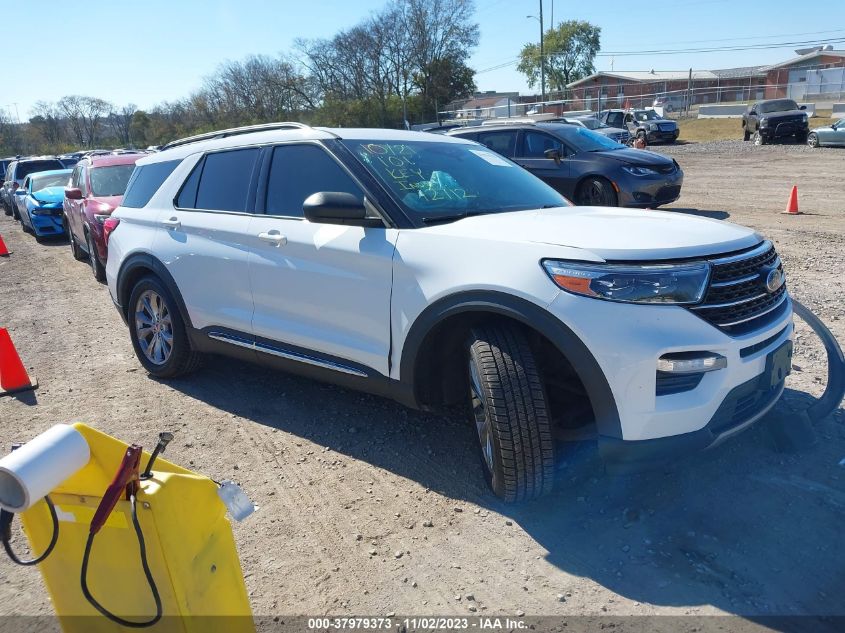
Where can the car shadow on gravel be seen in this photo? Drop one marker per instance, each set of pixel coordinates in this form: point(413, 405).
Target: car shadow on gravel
point(741, 527)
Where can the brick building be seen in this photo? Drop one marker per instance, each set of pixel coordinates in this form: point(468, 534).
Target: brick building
point(816, 73)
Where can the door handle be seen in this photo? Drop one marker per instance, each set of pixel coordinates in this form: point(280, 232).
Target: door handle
point(172, 223)
point(273, 237)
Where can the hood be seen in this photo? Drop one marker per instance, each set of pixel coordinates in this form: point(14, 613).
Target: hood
point(607, 131)
point(610, 233)
point(111, 201)
point(780, 113)
point(631, 156)
point(49, 194)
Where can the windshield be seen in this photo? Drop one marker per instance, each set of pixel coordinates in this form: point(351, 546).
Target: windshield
point(432, 179)
point(584, 140)
point(781, 105)
point(110, 181)
point(50, 180)
point(646, 115)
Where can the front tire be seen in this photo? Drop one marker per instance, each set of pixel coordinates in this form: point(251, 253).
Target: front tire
point(759, 139)
point(596, 192)
point(158, 332)
point(813, 139)
point(93, 260)
point(78, 253)
point(510, 412)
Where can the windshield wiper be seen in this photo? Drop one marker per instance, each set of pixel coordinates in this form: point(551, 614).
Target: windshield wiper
point(437, 219)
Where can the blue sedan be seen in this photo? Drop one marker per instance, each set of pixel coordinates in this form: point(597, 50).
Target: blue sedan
point(39, 201)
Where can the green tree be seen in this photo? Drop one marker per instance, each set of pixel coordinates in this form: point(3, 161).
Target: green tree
point(445, 80)
point(569, 51)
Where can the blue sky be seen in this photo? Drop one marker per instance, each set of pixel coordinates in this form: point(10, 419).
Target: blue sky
point(152, 51)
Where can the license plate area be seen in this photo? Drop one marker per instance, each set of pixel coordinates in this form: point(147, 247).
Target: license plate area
point(778, 365)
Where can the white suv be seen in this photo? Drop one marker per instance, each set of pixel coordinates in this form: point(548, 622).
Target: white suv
point(432, 270)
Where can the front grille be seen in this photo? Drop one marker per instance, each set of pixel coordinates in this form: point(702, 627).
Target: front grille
point(737, 299)
point(668, 193)
point(664, 169)
point(666, 127)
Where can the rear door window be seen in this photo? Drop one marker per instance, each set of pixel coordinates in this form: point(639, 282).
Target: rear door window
point(296, 172)
point(503, 142)
point(226, 180)
point(145, 181)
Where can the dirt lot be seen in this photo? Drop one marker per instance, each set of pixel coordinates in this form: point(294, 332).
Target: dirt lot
point(369, 508)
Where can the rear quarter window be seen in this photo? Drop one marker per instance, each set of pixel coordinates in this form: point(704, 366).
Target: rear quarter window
point(145, 181)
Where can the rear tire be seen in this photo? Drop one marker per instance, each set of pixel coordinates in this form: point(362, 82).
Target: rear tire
point(746, 135)
point(509, 410)
point(150, 303)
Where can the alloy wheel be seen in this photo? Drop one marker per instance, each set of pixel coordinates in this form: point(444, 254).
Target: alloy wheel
point(153, 327)
point(479, 413)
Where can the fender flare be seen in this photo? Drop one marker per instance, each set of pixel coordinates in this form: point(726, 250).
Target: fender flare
point(532, 315)
point(148, 262)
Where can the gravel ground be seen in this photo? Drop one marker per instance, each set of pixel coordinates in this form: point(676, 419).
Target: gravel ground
point(370, 508)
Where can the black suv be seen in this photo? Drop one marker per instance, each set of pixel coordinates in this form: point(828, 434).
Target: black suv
point(588, 168)
point(774, 119)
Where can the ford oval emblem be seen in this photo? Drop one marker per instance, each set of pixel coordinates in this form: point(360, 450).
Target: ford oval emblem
point(774, 280)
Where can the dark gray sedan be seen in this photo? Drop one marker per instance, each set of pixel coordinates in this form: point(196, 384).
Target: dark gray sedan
point(829, 136)
point(586, 167)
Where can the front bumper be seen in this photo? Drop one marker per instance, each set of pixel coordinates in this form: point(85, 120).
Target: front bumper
point(45, 225)
point(627, 340)
point(641, 192)
point(783, 130)
point(660, 136)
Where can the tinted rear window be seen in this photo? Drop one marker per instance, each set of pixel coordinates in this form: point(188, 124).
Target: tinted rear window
point(33, 166)
point(145, 181)
point(225, 181)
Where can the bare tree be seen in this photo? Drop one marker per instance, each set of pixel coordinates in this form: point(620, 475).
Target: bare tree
point(120, 122)
point(47, 119)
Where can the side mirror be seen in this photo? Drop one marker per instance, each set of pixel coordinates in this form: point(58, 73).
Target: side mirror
point(73, 193)
point(20, 191)
point(334, 207)
point(553, 154)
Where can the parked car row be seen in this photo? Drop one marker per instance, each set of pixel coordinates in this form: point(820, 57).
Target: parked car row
point(586, 167)
point(52, 201)
point(434, 270)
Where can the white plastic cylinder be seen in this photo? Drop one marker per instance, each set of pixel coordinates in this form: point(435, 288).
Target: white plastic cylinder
point(37, 467)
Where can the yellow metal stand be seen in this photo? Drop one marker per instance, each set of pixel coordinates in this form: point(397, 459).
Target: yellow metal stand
point(190, 549)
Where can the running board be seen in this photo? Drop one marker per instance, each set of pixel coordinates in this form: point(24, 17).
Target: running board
point(287, 354)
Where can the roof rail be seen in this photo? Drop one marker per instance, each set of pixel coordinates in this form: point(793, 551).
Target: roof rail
point(247, 129)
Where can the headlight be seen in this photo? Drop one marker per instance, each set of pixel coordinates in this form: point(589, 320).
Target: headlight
point(638, 171)
point(663, 283)
point(764, 122)
point(652, 126)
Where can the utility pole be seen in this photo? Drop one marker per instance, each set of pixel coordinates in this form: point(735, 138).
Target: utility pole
point(542, 59)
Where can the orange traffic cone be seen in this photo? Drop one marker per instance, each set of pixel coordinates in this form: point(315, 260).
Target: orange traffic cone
point(13, 376)
point(792, 204)
point(4, 252)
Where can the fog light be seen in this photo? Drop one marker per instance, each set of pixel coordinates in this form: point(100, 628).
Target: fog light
point(691, 362)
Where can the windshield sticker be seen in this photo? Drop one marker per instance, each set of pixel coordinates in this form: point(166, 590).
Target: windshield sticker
point(492, 158)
